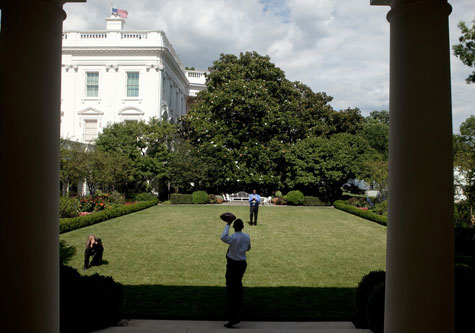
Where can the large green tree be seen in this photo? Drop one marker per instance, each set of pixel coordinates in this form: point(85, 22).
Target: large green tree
point(249, 116)
point(187, 170)
point(320, 165)
point(465, 50)
point(376, 131)
point(100, 170)
point(72, 164)
point(145, 144)
point(464, 158)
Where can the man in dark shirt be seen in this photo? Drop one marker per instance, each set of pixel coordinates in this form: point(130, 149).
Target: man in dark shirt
point(254, 201)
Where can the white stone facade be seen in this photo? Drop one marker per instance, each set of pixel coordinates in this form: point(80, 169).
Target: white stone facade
point(114, 75)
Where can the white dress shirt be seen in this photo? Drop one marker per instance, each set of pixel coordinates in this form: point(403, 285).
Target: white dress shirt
point(239, 243)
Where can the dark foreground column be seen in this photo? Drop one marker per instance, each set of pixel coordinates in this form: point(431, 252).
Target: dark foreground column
point(30, 63)
point(420, 248)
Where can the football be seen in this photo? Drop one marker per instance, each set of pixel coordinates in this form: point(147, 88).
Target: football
point(227, 217)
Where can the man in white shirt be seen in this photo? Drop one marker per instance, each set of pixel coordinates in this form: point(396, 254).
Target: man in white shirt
point(239, 244)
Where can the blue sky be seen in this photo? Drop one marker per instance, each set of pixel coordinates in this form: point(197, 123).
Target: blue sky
point(339, 47)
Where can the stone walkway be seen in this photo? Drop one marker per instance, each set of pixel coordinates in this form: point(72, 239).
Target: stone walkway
point(190, 326)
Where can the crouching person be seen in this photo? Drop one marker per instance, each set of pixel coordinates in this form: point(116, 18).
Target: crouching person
point(95, 250)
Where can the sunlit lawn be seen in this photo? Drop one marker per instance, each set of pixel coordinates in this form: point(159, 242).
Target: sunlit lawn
point(304, 263)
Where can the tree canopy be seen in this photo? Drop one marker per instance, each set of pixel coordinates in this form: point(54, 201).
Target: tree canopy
point(145, 145)
point(465, 50)
point(376, 131)
point(464, 156)
point(322, 165)
point(100, 170)
point(247, 121)
point(250, 128)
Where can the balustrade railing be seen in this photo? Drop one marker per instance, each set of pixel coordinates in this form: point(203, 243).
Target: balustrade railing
point(153, 37)
point(195, 74)
point(134, 35)
point(90, 35)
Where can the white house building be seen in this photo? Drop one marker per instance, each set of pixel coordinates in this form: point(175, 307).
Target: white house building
point(114, 75)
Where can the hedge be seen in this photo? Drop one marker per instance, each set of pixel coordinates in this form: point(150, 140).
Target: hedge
point(70, 224)
point(178, 198)
point(339, 204)
point(313, 201)
point(145, 196)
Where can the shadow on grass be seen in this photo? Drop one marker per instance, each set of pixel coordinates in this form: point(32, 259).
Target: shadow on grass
point(260, 303)
point(66, 252)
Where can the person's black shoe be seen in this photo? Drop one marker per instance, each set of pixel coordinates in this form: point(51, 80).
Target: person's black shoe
point(231, 324)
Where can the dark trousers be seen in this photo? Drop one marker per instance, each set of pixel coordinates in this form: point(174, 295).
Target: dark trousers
point(253, 212)
point(234, 273)
point(96, 254)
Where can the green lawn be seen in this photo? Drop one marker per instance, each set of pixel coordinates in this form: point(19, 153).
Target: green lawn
point(305, 262)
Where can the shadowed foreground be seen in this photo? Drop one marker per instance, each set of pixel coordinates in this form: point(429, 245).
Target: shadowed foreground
point(260, 303)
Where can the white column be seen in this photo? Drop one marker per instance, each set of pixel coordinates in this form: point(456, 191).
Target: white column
point(30, 76)
point(420, 248)
point(158, 93)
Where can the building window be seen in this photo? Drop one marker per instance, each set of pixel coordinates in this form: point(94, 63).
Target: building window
point(92, 84)
point(133, 84)
point(90, 130)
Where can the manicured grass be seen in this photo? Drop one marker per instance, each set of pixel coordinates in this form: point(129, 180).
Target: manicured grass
point(304, 264)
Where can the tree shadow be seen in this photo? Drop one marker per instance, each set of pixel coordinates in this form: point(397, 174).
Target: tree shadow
point(260, 303)
point(66, 252)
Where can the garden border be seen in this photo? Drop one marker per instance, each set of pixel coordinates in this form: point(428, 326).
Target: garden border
point(340, 204)
point(73, 223)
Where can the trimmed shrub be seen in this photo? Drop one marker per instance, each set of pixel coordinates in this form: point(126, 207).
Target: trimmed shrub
point(68, 207)
point(69, 224)
point(181, 199)
point(375, 311)
point(295, 198)
point(278, 194)
point(76, 306)
point(200, 197)
point(365, 288)
point(313, 201)
point(339, 204)
point(145, 196)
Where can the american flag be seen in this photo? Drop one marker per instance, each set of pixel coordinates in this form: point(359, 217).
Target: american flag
point(119, 12)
